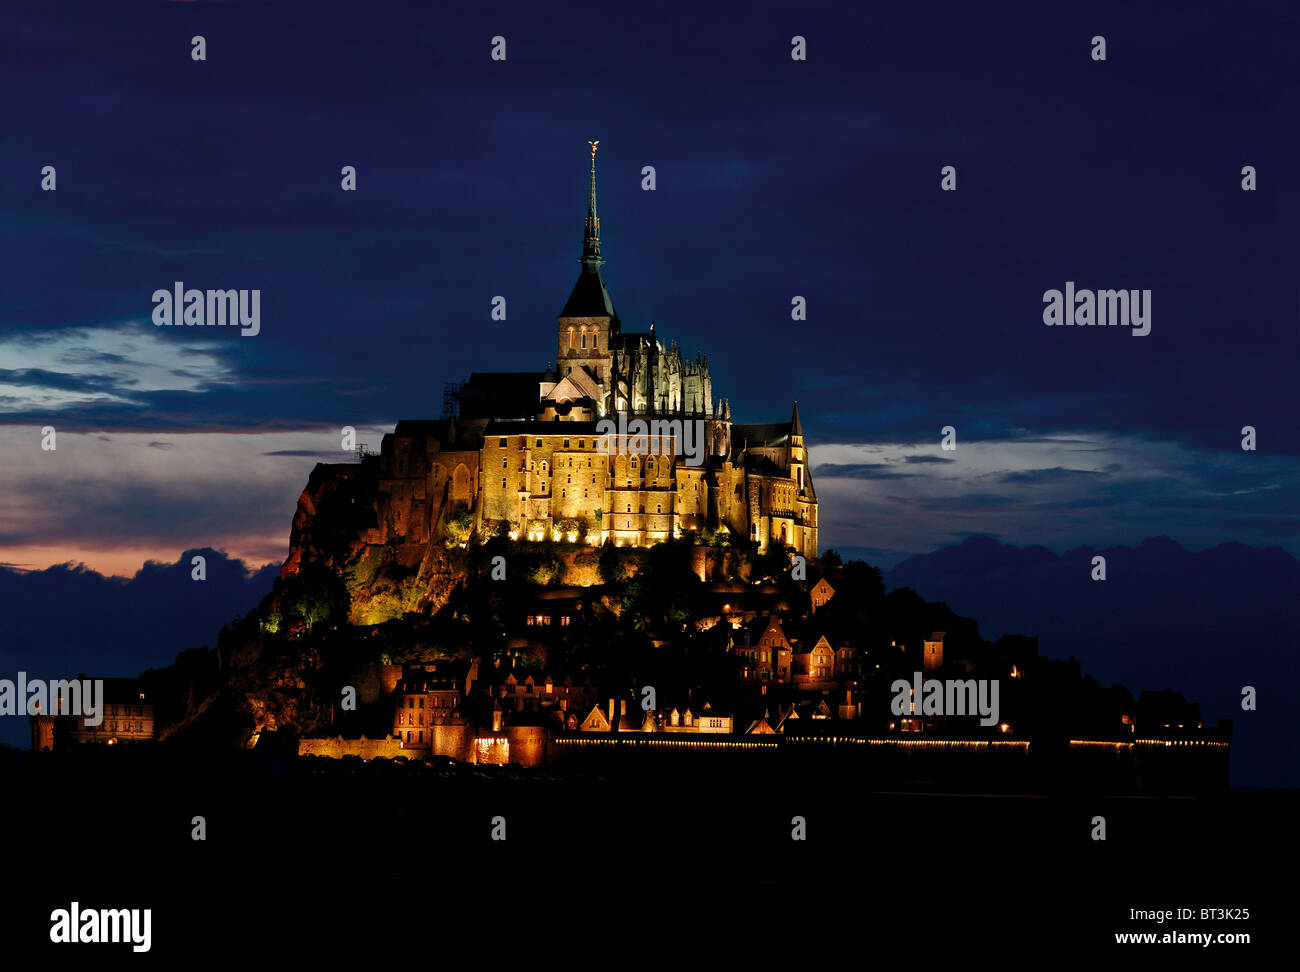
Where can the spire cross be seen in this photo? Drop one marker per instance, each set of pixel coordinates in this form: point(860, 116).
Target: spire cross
point(591, 242)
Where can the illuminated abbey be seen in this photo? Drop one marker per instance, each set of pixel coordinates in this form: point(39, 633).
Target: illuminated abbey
point(524, 453)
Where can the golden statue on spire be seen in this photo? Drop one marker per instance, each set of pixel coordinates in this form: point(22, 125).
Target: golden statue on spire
point(593, 146)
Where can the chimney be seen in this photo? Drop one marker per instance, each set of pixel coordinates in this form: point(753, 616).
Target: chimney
point(611, 710)
point(622, 707)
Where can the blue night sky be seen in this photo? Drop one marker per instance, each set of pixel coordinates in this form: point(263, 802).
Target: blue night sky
point(775, 178)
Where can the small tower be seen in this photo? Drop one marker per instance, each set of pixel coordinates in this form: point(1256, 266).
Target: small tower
point(42, 732)
point(798, 455)
point(933, 652)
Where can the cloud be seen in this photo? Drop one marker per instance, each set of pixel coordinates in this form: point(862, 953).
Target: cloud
point(861, 470)
point(115, 501)
point(1054, 475)
point(1065, 491)
point(121, 364)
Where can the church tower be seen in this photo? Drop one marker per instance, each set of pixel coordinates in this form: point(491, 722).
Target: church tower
point(804, 534)
point(588, 325)
point(798, 455)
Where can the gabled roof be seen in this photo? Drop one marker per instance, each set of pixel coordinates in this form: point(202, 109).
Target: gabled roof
point(574, 386)
point(772, 622)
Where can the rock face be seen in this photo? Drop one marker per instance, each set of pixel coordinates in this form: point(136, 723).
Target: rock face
point(373, 537)
point(337, 516)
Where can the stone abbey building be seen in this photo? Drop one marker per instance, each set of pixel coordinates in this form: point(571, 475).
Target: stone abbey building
point(529, 452)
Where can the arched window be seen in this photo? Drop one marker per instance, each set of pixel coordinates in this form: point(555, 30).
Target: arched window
point(584, 338)
point(572, 339)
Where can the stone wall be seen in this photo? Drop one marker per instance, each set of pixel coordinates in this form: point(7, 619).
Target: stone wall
point(528, 745)
point(388, 747)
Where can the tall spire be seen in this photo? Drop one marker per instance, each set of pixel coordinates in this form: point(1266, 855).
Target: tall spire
point(591, 235)
point(589, 297)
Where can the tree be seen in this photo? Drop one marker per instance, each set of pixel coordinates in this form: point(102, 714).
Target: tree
point(458, 526)
point(610, 567)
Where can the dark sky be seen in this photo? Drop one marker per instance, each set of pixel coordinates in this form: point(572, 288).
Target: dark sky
point(775, 178)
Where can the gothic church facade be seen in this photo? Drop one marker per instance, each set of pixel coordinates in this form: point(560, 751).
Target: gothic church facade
point(524, 451)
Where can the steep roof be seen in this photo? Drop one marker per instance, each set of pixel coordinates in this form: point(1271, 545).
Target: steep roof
point(590, 297)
